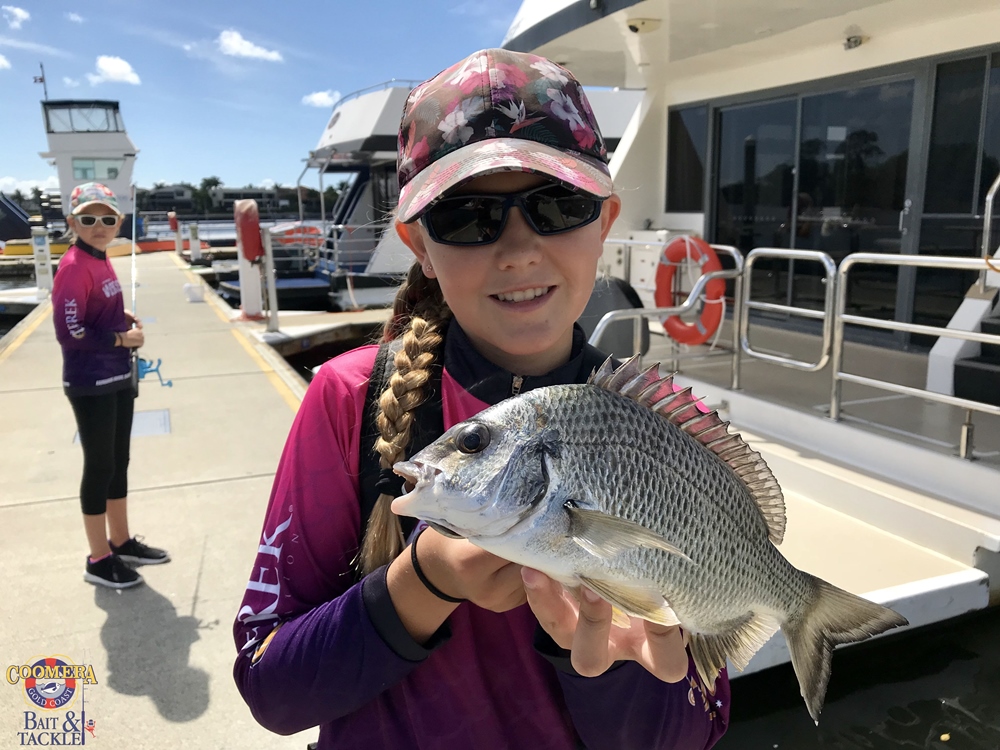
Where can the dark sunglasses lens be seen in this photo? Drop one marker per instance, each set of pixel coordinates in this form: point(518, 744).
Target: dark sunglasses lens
point(558, 209)
point(475, 220)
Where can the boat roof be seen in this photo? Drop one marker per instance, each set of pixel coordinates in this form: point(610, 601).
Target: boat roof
point(624, 42)
point(363, 128)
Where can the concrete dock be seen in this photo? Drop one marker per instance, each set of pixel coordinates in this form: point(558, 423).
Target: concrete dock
point(204, 452)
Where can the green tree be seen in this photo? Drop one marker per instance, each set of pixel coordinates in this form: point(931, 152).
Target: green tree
point(202, 195)
point(18, 197)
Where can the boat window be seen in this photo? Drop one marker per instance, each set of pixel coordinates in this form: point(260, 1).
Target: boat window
point(97, 169)
point(853, 158)
point(991, 139)
point(753, 205)
point(687, 141)
point(954, 145)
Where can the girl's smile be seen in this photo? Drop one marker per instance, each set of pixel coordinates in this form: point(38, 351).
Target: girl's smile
point(518, 297)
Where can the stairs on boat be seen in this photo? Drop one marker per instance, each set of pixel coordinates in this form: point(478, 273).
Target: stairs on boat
point(978, 378)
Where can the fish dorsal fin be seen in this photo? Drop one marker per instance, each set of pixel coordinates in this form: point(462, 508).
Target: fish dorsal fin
point(648, 388)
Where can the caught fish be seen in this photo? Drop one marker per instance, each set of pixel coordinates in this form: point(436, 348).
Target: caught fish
point(626, 486)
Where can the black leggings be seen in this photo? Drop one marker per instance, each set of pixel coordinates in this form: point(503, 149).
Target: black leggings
point(105, 425)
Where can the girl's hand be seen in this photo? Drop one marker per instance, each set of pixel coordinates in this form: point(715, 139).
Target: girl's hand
point(133, 338)
point(132, 320)
point(459, 568)
point(585, 628)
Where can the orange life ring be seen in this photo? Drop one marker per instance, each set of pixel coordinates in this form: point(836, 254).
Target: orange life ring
point(700, 252)
point(248, 229)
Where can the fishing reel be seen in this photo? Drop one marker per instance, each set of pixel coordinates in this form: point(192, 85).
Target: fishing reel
point(146, 366)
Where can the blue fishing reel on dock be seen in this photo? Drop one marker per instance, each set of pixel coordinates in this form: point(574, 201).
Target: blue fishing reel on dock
point(146, 366)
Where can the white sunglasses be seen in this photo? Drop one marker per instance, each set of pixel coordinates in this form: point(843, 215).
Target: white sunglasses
point(89, 220)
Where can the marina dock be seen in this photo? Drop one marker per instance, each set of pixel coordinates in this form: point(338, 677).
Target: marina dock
point(204, 452)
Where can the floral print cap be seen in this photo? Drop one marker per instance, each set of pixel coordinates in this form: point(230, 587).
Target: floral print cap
point(91, 192)
point(497, 111)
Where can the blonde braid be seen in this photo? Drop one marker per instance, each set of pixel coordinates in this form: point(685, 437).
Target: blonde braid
point(418, 314)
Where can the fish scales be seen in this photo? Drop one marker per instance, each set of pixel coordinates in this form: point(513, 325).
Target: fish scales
point(662, 478)
point(624, 485)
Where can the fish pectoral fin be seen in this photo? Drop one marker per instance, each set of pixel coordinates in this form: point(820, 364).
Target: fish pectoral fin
point(738, 644)
point(639, 601)
point(605, 536)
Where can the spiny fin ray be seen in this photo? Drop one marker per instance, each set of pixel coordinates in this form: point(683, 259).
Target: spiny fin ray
point(681, 408)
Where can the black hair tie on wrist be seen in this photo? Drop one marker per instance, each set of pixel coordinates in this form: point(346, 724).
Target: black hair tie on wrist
point(423, 578)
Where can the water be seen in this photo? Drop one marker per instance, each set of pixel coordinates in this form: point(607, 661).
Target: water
point(937, 687)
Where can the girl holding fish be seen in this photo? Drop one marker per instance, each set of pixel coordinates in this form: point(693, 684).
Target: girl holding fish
point(386, 635)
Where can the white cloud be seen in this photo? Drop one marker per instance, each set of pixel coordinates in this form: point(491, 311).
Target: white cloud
point(4, 62)
point(9, 184)
point(70, 82)
point(324, 99)
point(15, 16)
point(232, 43)
point(6, 41)
point(267, 183)
point(113, 69)
point(74, 17)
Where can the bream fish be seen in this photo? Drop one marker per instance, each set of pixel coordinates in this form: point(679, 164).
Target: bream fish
point(626, 486)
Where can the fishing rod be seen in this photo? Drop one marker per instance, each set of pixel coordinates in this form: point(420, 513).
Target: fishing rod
point(140, 367)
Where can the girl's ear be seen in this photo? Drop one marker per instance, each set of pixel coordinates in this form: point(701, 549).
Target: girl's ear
point(609, 212)
point(413, 238)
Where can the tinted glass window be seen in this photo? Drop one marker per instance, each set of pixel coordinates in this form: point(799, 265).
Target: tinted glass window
point(687, 141)
point(991, 142)
point(954, 147)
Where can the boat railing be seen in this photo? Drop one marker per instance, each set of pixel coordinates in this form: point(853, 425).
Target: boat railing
point(641, 316)
point(987, 231)
point(826, 314)
point(350, 246)
point(834, 317)
point(841, 318)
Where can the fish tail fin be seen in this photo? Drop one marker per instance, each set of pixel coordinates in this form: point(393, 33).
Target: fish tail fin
point(831, 617)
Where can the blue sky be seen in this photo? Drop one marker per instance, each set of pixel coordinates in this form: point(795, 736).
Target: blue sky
point(219, 88)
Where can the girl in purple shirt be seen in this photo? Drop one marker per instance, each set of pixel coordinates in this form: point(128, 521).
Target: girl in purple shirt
point(505, 201)
point(96, 334)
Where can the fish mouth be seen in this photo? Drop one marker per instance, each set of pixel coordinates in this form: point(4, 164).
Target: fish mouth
point(443, 530)
point(415, 474)
point(418, 475)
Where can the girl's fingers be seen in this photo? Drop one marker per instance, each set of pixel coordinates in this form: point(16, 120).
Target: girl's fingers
point(590, 640)
point(665, 652)
point(552, 610)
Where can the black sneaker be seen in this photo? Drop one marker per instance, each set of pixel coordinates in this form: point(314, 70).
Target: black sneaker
point(135, 552)
point(111, 572)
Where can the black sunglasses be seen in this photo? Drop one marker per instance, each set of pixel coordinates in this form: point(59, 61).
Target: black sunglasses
point(88, 220)
point(479, 219)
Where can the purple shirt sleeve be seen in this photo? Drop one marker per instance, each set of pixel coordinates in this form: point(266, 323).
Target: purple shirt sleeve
point(71, 289)
point(340, 643)
point(330, 661)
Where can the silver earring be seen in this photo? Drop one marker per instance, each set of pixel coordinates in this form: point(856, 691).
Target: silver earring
point(427, 268)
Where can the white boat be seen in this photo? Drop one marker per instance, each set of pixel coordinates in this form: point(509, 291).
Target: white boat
point(842, 158)
point(358, 150)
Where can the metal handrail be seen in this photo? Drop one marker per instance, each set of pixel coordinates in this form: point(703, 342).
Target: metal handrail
point(988, 230)
point(826, 315)
point(637, 315)
point(841, 318)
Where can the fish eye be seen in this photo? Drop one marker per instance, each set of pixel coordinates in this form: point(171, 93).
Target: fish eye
point(473, 438)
